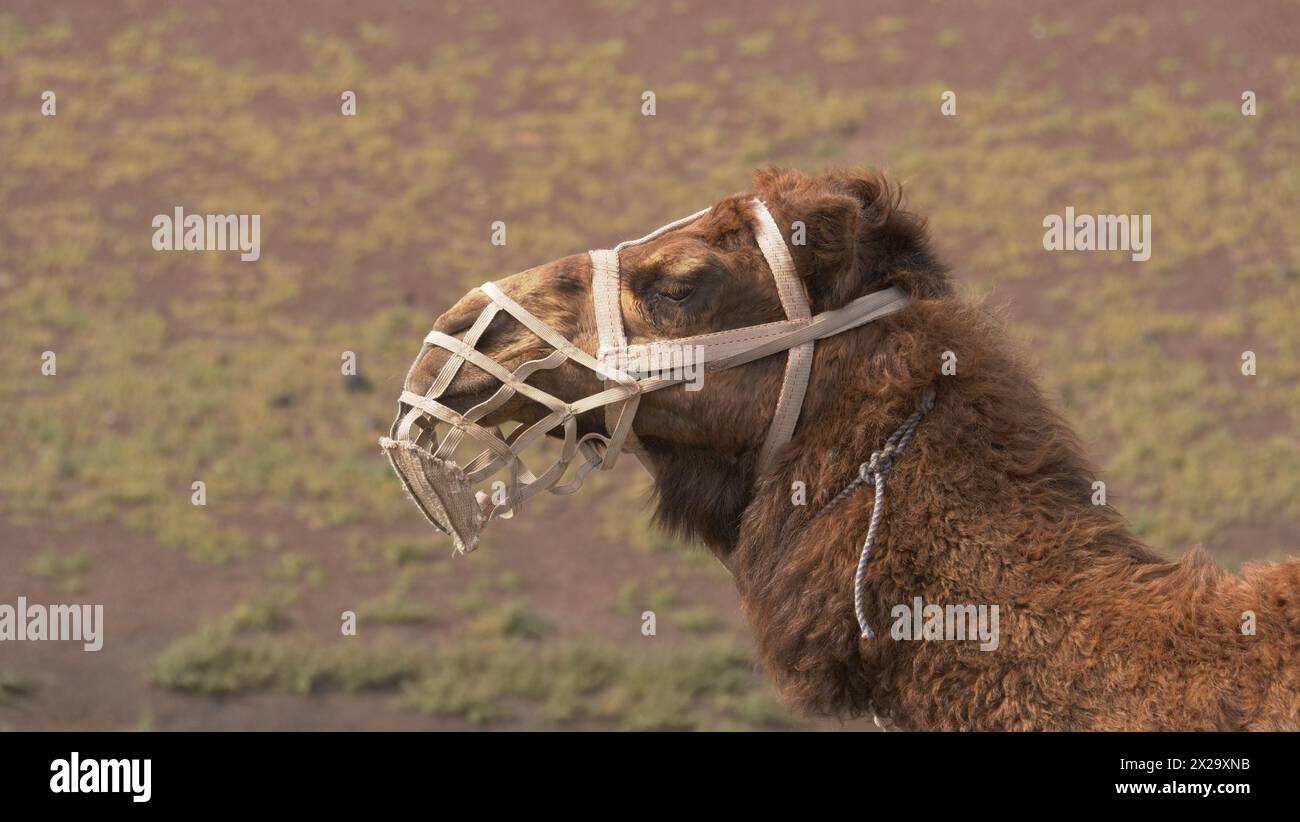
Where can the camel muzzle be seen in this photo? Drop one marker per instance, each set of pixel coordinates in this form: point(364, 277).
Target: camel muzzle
point(452, 496)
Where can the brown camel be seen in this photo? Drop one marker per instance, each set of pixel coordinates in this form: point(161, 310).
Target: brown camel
point(991, 503)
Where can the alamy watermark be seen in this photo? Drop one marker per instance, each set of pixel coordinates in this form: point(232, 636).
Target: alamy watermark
point(919, 621)
point(77, 775)
point(65, 623)
point(179, 231)
point(1102, 232)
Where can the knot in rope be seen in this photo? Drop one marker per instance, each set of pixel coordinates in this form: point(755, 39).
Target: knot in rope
point(876, 470)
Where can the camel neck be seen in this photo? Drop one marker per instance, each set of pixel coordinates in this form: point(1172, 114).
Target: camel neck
point(992, 457)
point(991, 504)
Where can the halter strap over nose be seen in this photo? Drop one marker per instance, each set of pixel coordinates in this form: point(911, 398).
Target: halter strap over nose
point(444, 490)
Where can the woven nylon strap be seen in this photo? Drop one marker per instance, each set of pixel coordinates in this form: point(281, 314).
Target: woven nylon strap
point(798, 366)
point(723, 349)
point(606, 286)
point(606, 291)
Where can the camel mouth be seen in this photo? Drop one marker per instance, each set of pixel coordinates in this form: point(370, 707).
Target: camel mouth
point(471, 385)
point(462, 396)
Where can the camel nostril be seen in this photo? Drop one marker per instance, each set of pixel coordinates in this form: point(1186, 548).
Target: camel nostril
point(461, 316)
point(454, 323)
point(420, 377)
point(470, 381)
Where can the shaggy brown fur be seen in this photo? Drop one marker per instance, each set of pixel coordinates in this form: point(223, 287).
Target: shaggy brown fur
point(991, 504)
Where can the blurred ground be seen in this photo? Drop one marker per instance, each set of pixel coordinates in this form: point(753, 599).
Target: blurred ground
point(181, 367)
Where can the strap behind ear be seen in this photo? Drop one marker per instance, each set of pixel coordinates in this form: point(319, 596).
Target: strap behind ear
point(798, 367)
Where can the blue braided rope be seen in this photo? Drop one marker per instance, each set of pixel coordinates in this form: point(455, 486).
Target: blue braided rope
point(876, 471)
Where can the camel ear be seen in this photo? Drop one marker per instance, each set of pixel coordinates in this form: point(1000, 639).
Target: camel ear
point(828, 255)
point(821, 223)
point(857, 236)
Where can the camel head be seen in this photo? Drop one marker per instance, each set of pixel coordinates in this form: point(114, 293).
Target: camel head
point(846, 237)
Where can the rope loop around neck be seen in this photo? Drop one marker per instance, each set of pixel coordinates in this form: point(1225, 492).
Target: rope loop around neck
point(876, 470)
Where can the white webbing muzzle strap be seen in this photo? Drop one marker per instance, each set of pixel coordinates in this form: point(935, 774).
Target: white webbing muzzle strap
point(444, 490)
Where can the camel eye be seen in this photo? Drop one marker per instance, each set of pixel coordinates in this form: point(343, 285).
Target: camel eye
point(675, 290)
